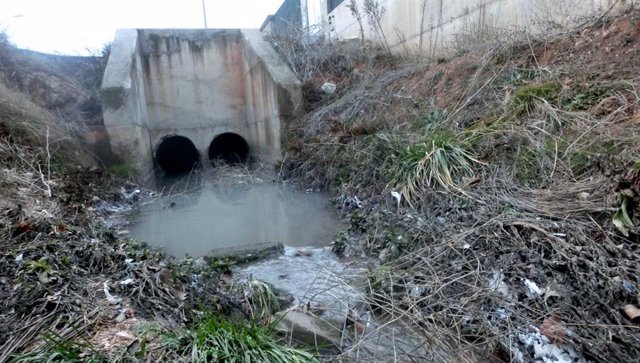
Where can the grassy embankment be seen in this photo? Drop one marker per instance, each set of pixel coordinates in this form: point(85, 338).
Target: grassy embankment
point(517, 162)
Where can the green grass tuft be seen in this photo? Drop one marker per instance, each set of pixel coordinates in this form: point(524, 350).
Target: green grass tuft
point(440, 160)
point(262, 300)
point(525, 96)
point(219, 340)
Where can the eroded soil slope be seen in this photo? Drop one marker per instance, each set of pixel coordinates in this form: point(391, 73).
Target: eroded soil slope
point(499, 189)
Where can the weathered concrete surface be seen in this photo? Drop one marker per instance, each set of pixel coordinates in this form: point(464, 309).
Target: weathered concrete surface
point(309, 329)
point(124, 101)
point(247, 253)
point(197, 84)
point(435, 26)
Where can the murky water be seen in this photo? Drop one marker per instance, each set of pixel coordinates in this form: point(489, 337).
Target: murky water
point(220, 216)
point(200, 216)
point(311, 275)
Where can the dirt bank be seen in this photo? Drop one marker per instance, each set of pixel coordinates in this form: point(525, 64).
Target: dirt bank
point(499, 189)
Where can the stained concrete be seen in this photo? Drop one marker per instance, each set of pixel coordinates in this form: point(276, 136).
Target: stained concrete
point(197, 84)
point(437, 27)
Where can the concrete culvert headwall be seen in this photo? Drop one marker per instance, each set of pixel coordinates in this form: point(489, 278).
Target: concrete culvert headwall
point(176, 155)
point(197, 83)
point(229, 147)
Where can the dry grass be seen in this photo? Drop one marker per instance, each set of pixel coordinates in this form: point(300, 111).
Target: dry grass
point(556, 133)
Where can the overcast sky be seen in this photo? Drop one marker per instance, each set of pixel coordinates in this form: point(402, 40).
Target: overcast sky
point(73, 26)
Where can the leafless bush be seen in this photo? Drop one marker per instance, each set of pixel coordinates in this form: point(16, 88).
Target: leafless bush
point(355, 12)
point(374, 13)
point(312, 58)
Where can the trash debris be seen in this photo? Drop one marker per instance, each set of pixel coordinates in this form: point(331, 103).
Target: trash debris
point(113, 300)
point(328, 88)
point(533, 288)
point(397, 196)
point(303, 252)
point(632, 312)
point(127, 282)
point(546, 351)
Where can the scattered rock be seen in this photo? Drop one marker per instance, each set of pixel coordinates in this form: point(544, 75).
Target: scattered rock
point(247, 253)
point(285, 299)
point(311, 330)
point(302, 252)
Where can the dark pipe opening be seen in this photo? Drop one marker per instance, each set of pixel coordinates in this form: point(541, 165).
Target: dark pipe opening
point(177, 155)
point(229, 147)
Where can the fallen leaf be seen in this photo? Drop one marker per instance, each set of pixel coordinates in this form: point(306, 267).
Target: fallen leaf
point(21, 228)
point(121, 318)
point(632, 313)
point(553, 329)
point(44, 278)
point(134, 348)
point(549, 292)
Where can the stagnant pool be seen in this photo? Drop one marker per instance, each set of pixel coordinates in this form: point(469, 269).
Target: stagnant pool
point(220, 216)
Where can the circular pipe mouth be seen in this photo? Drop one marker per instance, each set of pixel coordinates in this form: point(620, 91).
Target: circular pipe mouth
point(230, 148)
point(177, 155)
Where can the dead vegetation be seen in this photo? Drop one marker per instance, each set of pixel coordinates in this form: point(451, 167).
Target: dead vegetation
point(72, 289)
point(499, 189)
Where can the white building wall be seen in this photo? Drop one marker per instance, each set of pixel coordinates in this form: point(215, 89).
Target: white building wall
point(434, 26)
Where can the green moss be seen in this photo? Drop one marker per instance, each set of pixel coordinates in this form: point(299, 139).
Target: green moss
point(584, 100)
point(525, 96)
point(123, 170)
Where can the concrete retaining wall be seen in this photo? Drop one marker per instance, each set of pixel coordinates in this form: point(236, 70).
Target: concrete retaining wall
point(434, 26)
point(197, 84)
